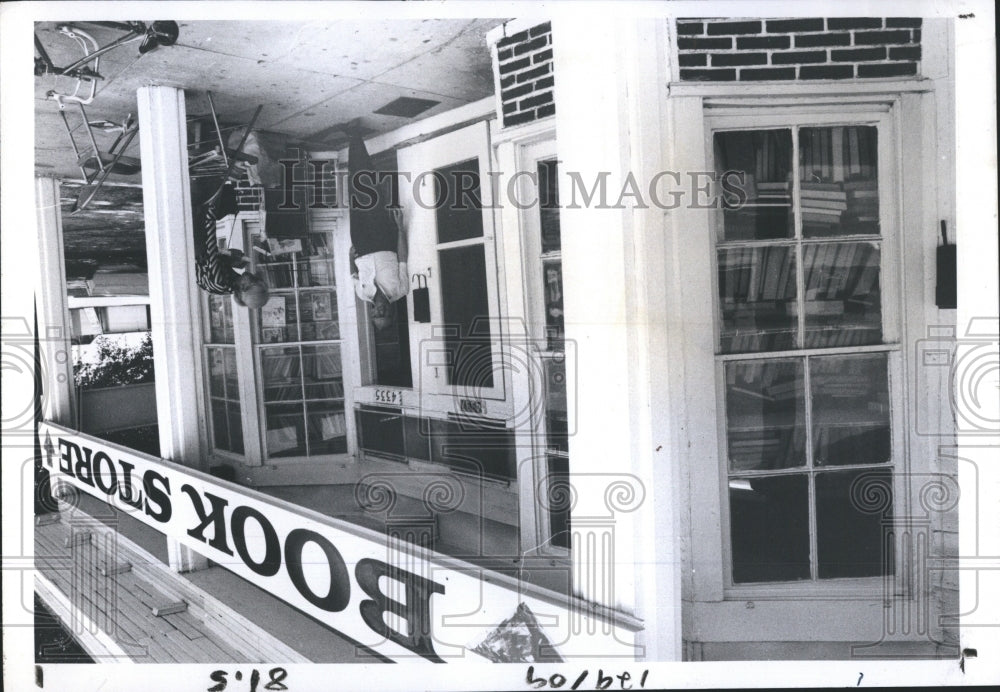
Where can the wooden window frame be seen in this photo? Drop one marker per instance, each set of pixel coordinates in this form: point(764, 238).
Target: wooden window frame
point(885, 118)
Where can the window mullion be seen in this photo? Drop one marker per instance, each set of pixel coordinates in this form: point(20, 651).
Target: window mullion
point(800, 280)
point(810, 464)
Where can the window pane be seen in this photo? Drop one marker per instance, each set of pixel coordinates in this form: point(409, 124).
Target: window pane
point(853, 511)
point(466, 316)
point(381, 430)
point(756, 172)
point(316, 272)
point(554, 327)
point(281, 370)
point(235, 427)
point(843, 300)
point(556, 415)
point(220, 425)
point(321, 370)
point(459, 214)
point(392, 348)
point(558, 500)
point(765, 415)
point(285, 430)
point(279, 320)
point(217, 372)
point(327, 427)
point(757, 291)
point(769, 527)
point(220, 318)
point(278, 275)
point(838, 169)
point(319, 316)
point(850, 409)
point(232, 380)
point(548, 205)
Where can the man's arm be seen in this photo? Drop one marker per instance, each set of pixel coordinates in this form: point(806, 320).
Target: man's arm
point(352, 255)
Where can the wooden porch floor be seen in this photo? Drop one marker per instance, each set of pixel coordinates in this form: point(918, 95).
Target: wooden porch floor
point(77, 556)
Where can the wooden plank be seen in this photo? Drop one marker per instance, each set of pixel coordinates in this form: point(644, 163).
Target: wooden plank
point(110, 570)
point(183, 649)
point(169, 608)
point(46, 519)
point(186, 624)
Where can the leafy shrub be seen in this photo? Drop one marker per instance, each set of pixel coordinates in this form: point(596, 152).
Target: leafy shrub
point(117, 365)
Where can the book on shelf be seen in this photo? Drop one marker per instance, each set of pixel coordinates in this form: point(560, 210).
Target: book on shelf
point(332, 425)
point(273, 335)
point(842, 264)
point(816, 307)
point(284, 246)
point(773, 187)
point(821, 217)
point(273, 313)
point(321, 304)
point(860, 186)
point(820, 205)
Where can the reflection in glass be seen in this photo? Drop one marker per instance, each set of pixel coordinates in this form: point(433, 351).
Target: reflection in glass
point(216, 372)
point(285, 430)
point(756, 172)
point(232, 379)
point(765, 414)
point(853, 516)
point(769, 528)
point(838, 181)
point(220, 424)
point(319, 316)
point(843, 301)
point(850, 409)
point(326, 424)
point(220, 319)
point(552, 288)
point(322, 372)
point(548, 205)
point(757, 292)
point(281, 370)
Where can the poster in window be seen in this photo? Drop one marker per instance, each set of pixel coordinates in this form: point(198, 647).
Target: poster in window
point(273, 313)
point(321, 306)
point(284, 246)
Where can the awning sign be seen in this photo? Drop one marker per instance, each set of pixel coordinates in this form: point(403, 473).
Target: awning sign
point(390, 596)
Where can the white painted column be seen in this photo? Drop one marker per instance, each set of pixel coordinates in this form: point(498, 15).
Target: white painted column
point(609, 78)
point(173, 294)
point(976, 365)
point(50, 301)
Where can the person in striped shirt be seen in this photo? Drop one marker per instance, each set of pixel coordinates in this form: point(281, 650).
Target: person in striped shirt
point(218, 272)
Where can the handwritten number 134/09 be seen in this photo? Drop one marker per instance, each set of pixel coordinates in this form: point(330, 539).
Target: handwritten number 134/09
point(277, 675)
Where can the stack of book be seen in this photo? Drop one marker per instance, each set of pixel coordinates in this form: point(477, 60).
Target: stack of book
point(862, 197)
point(776, 194)
point(822, 203)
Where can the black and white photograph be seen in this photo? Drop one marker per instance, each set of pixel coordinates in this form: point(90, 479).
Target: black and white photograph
point(558, 345)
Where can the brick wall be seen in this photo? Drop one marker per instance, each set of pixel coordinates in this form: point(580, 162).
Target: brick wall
point(727, 50)
point(523, 62)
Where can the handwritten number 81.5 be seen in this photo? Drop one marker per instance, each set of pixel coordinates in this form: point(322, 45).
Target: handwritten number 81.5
point(277, 675)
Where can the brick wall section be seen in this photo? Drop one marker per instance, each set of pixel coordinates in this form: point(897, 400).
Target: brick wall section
point(743, 50)
point(524, 69)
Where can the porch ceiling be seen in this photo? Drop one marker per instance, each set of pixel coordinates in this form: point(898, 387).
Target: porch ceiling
point(309, 76)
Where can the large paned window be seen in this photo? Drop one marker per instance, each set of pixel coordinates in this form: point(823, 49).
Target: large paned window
point(462, 263)
point(297, 347)
point(803, 356)
point(223, 380)
point(553, 355)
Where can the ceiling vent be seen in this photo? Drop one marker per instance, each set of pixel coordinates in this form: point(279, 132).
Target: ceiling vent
point(406, 107)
